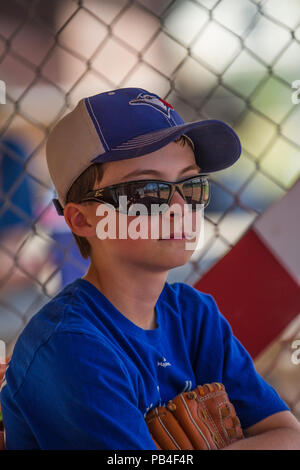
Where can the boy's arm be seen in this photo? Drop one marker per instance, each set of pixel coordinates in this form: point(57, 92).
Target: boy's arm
point(265, 418)
point(279, 431)
point(78, 394)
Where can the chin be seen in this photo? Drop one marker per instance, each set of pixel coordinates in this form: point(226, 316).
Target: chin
point(174, 260)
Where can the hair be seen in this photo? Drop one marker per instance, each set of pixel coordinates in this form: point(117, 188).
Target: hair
point(85, 182)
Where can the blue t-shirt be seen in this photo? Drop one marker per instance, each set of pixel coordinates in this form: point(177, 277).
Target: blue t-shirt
point(83, 376)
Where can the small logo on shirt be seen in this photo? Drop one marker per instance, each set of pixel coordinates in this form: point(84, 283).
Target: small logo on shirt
point(163, 363)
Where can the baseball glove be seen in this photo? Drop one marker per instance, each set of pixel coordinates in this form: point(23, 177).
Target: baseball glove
point(202, 419)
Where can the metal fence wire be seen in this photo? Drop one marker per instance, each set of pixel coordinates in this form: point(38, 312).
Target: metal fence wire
point(225, 59)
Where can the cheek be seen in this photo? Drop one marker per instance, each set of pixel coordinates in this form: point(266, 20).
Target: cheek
point(142, 229)
point(195, 221)
point(138, 229)
point(126, 229)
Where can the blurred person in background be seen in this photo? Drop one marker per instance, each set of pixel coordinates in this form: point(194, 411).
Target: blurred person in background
point(17, 289)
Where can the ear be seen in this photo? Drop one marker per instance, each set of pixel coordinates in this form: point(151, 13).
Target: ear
point(78, 218)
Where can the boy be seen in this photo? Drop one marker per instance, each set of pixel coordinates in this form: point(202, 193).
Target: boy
point(121, 340)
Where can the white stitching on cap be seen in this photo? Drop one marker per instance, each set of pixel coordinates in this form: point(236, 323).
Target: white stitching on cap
point(88, 99)
point(144, 139)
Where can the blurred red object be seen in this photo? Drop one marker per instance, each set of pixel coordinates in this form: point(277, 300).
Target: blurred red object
point(257, 283)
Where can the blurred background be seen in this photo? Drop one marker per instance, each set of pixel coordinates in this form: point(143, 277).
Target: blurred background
point(234, 60)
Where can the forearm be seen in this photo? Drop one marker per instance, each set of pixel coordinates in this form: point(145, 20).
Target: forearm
point(275, 439)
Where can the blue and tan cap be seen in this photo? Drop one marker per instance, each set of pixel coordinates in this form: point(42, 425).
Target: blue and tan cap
point(128, 123)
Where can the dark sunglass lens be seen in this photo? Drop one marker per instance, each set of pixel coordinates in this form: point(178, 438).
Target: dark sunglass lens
point(196, 191)
point(145, 193)
point(205, 194)
point(152, 193)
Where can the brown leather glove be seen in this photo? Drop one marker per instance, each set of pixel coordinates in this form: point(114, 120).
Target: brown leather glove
point(202, 419)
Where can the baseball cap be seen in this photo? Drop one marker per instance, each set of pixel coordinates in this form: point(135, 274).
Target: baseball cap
point(127, 123)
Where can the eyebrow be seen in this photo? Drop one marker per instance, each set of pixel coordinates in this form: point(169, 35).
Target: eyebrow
point(158, 173)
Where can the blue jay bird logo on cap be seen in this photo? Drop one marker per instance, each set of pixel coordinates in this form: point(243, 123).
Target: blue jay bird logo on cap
point(154, 101)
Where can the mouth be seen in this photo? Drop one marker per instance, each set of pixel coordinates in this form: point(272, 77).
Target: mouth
point(178, 236)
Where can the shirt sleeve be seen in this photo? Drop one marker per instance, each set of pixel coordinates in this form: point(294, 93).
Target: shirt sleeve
point(218, 356)
point(78, 394)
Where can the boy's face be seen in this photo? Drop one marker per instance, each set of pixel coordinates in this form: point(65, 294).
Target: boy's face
point(173, 162)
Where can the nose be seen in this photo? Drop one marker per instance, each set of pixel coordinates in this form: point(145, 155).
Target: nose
point(175, 214)
point(177, 199)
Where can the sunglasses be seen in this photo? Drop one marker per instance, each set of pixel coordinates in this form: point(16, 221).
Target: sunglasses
point(194, 190)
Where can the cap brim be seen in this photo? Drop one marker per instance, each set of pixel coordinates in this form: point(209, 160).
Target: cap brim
point(216, 144)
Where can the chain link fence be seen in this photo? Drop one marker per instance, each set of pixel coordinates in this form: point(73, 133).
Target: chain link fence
point(224, 59)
